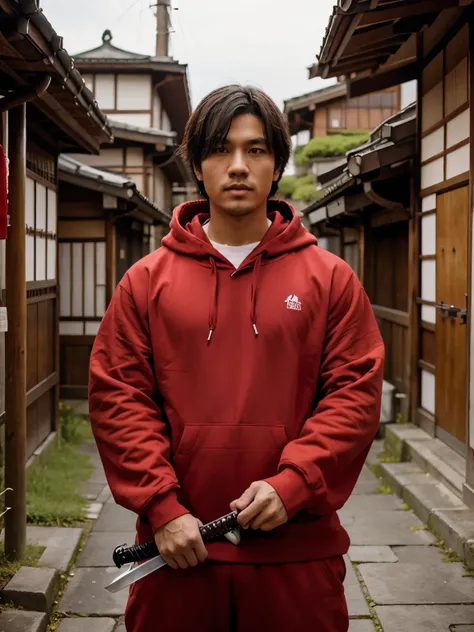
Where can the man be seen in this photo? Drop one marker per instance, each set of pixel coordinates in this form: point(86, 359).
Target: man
point(239, 366)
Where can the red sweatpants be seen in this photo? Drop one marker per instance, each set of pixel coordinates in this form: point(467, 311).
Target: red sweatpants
point(216, 597)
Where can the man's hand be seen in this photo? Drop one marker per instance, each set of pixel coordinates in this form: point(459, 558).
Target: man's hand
point(261, 507)
point(180, 543)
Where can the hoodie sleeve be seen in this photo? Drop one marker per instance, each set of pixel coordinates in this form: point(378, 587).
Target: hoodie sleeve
point(319, 469)
point(130, 433)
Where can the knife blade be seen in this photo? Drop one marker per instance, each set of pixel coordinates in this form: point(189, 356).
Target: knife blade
point(135, 572)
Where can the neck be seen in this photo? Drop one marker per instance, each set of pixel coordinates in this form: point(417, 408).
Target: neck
point(237, 230)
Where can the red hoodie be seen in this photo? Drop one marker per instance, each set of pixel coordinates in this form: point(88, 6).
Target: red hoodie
point(204, 379)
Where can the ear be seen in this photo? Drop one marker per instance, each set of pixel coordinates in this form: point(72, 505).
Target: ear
point(276, 174)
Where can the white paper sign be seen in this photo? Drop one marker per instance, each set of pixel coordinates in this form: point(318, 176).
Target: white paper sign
point(3, 320)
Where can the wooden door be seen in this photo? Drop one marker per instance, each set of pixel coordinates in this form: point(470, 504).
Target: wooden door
point(452, 213)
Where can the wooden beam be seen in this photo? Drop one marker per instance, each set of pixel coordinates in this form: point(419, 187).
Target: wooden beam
point(396, 11)
point(382, 80)
point(394, 316)
point(15, 349)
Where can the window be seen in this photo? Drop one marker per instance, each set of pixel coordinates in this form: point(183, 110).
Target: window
point(83, 286)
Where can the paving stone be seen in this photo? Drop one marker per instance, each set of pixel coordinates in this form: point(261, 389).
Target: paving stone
point(356, 602)
point(417, 583)
point(60, 544)
point(367, 483)
point(455, 526)
point(121, 628)
point(32, 588)
point(93, 511)
point(86, 594)
point(98, 476)
point(364, 554)
point(429, 556)
point(21, 621)
point(92, 490)
point(104, 496)
point(424, 498)
point(361, 625)
point(100, 547)
point(424, 618)
point(370, 502)
point(83, 624)
point(387, 528)
point(115, 518)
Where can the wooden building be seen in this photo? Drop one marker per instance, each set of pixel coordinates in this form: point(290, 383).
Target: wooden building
point(146, 99)
point(329, 110)
point(377, 45)
point(46, 110)
point(105, 226)
point(364, 217)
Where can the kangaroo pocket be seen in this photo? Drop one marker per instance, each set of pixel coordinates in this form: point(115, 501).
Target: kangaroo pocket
point(216, 463)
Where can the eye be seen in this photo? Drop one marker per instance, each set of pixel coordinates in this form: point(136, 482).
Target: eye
point(220, 150)
point(257, 150)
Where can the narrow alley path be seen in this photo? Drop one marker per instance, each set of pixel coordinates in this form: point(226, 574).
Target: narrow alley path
point(398, 577)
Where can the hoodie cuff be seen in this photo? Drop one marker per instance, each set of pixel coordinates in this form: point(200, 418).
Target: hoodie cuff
point(291, 486)
point(163, 508)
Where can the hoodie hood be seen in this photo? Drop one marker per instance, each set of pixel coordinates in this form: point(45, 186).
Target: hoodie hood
point(187, 237)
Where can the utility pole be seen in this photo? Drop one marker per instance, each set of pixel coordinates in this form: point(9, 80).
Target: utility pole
point(162, 27)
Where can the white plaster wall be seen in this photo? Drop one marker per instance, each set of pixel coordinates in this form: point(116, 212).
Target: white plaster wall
point(134, 92)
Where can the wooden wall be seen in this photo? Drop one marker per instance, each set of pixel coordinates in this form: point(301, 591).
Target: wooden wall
point(361, 113)
point(386, 263)
point(445, 164)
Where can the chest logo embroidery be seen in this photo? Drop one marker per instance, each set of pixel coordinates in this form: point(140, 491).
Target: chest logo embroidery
point(292, 302)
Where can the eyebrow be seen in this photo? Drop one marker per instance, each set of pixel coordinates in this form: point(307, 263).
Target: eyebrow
point(253, 141)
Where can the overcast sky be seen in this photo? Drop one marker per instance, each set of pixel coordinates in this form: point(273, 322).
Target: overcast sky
point(268, 43)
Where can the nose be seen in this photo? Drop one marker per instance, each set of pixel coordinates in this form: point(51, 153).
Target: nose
point(238, 165)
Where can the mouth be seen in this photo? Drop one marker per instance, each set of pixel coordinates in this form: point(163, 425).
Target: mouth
point(238, 189)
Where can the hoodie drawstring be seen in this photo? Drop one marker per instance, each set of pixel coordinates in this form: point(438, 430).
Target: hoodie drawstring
point(253, 309)
point(213, 306)
point(215, 292)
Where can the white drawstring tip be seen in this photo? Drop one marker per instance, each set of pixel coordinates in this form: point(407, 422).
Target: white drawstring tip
point(255, 329)
point(211, 331)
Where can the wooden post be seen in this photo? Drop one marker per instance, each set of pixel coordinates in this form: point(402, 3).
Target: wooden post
point(15, 382)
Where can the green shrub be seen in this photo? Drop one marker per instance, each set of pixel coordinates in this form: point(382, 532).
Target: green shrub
point(287, 185)
point(306, 193)
point(329, 146)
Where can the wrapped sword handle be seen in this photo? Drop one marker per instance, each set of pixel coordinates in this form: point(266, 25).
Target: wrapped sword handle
point(124, 554)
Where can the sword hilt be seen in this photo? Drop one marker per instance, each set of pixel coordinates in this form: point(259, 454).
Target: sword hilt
point(124, 554)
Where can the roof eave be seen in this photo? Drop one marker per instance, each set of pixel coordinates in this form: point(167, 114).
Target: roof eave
point(40, 33)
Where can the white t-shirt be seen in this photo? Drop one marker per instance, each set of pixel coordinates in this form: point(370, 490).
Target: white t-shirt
point(235, 254)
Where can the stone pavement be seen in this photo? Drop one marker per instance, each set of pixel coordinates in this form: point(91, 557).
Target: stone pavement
point(395, 569)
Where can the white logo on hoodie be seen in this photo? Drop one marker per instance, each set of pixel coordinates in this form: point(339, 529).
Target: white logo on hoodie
point(292, 302)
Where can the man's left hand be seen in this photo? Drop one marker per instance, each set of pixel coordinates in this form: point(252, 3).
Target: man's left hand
point(261, 507)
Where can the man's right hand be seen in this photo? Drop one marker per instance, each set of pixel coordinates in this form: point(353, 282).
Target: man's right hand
point(180, 543)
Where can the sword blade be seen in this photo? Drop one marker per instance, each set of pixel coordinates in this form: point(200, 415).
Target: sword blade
point(134, 573)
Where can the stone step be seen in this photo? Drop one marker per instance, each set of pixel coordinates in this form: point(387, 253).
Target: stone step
point(32, 589)
point(435, 504)
point(407, 442)
point(21, 621)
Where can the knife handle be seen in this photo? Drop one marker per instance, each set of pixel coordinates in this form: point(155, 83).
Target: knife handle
point(124, 554)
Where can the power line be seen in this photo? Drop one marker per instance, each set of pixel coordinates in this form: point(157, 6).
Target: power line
point(127, 10)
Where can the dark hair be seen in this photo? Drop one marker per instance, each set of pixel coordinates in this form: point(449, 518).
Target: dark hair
point(209, 125)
